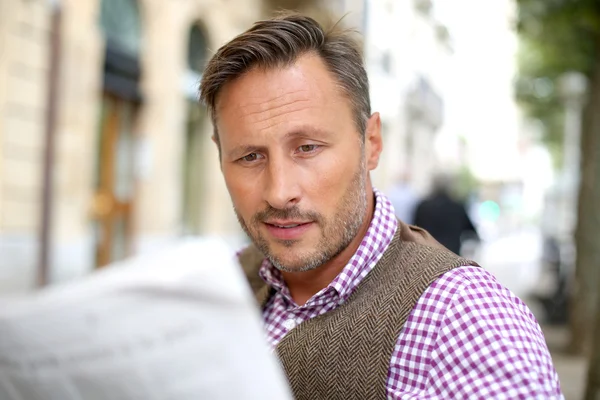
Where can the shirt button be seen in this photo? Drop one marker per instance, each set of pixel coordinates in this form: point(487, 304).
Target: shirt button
point(289, 324)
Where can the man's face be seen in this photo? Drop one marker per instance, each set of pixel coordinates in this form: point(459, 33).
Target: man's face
point(294, 163)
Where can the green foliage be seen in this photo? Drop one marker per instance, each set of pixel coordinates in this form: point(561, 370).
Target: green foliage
point(556, 36)
point(560, 33)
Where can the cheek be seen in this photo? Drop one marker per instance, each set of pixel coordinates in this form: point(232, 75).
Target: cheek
point(244, 194)
point(329, 180)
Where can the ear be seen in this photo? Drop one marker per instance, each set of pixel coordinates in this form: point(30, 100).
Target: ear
point(373, 141)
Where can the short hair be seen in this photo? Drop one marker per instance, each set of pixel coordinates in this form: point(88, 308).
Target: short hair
point(279, 42)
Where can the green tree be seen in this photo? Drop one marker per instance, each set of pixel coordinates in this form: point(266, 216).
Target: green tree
point(559, 36)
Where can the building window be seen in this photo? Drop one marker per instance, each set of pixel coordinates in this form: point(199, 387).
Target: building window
point(196, 61)
point(120, 23)
point(196, 50)
point(424, 6)
point(386, 62)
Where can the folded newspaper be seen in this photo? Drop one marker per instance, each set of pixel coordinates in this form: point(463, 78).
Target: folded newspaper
point(179, 324)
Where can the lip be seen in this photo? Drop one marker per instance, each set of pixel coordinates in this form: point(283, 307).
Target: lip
point(287, 233)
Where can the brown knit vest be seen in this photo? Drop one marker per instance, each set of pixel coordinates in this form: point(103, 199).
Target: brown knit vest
point(345, 353)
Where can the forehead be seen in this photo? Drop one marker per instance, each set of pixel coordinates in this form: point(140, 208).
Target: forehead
point(262, 94)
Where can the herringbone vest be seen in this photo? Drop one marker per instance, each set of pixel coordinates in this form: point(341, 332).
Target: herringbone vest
point(345, 353)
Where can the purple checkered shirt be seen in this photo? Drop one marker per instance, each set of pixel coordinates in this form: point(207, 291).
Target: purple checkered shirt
point(468, 337)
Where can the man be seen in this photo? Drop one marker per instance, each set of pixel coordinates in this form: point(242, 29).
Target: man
point(443, 217)
point(357, 304)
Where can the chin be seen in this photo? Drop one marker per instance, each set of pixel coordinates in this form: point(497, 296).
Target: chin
point(284, 262)
point(301, 263)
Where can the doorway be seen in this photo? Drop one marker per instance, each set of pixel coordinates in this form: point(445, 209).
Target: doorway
point(115, 180)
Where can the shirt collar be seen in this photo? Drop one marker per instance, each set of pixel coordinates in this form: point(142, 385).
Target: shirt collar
point(379, 235)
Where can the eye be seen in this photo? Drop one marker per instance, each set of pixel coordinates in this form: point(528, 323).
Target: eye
point(307, 148)
point(250, 157)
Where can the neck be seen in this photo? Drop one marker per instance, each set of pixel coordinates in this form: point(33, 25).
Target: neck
point(304, 285)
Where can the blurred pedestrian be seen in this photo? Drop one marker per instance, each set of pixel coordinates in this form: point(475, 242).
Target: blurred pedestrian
point(444, 217)
point(357, 304)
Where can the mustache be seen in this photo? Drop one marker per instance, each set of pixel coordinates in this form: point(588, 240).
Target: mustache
point(286, 213)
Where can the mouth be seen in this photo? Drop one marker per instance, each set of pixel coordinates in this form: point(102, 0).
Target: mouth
point(288, 230)
point(286, 225)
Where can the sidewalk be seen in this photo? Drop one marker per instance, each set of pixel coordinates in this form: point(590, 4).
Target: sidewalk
point(571, 369)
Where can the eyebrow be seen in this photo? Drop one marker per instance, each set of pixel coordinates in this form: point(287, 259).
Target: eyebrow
point(306, 132)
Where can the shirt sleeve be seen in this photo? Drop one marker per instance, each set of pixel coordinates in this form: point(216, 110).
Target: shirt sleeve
point(475, 340)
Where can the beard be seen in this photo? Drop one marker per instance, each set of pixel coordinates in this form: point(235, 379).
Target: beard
point(336, 232)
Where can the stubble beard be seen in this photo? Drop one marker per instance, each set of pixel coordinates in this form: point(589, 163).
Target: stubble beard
point(336, 233)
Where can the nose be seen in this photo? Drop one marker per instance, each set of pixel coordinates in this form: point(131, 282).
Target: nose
point(282, 189)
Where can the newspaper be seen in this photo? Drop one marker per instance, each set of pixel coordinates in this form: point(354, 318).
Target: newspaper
point(180, 324)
